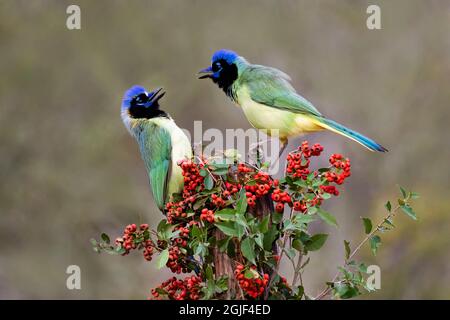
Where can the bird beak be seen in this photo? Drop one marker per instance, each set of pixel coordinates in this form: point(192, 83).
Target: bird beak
point(207, 73)
point(154, 96)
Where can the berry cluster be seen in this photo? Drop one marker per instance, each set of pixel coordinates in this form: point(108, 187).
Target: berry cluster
point(281, 198)
point(218, 201)
point(134, 238)
point(253, 287)
point(330, 189)
point(175, 211)
point(262, 186)
point(343, 169)
point(207, 215)
point(177, 259)
point(298, 161)
point(177, 289)
point(193, 180)
point(232, 188)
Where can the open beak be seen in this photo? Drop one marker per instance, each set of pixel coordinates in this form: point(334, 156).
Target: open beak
point(207, 73)
point(155, 95)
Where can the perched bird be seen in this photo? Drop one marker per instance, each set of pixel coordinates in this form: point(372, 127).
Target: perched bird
point(161, 142)
point(269, 101)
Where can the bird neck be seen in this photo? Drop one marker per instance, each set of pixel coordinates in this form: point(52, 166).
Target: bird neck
point(138, 112)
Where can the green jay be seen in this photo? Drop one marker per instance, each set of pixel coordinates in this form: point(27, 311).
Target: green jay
point(269, 101)
point(161, 142)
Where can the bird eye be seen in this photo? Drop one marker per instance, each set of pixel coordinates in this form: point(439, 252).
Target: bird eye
point(141, 98)
point(216, 66)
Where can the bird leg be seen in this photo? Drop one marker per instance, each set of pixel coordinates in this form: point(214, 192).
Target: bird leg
point(255, 149)
point(284, 144)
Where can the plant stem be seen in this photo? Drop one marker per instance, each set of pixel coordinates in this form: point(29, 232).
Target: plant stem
point(327, 290)
point(297, 271)
point(277, 267)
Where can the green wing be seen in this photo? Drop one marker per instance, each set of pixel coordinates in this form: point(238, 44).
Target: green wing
point(156, 150)
point(271, 87)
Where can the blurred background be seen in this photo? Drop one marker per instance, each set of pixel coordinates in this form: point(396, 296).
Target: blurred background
point(69, 169)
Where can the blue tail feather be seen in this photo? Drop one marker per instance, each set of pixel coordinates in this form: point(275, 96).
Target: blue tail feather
point(367, 142)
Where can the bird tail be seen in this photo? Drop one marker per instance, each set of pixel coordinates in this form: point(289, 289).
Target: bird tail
point(346, 132)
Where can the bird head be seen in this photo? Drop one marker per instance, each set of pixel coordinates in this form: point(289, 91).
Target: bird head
point(142, 104)
point(223, 70)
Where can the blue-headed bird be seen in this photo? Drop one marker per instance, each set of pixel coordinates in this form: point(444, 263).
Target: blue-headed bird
point(161, 142)
point(269, 101)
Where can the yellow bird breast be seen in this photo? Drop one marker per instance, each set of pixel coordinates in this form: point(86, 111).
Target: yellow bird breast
point(270, 119)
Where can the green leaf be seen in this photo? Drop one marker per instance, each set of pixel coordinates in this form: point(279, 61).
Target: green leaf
point(362, 267)
point(328, 218)
point(222, 284)
point(120, 250)
point(228, 228)
point(414, 195)
point(241, 205)
point(304, 218)
point(388, 221)
point(201, 250)
point(345, 291)
point(209, 273)
point(263, 226)
point(277, 217)
point(164, 230)
point(162, 259)
point(301, 183)
point(347, 249)
point(93, 242)
point(297, 245)
point(408, 211)
point(375, 243)
point(161, 291)
point(105, 238)
point(240, 230)
point(203, 172)
point(404, 193)
point(388, 206)
point(223, 244)
point(209, 182)
point(220, 169)
point(196, 232)
point(325, 196)
point(367, 225)
point(249, 274)
point(200, 203)
point(290, 253)
point(270, 237)
point(240, 219)
point(248, 249)
point(316, 242)
point(312, 210)
point(226, 214)
point(259, 239)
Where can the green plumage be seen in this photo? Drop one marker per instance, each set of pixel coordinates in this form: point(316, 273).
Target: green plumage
point(271, 87)
point(270, 102)
point(155, 145)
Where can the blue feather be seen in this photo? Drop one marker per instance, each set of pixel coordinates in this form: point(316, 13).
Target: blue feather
point(130, 93)
point(367, 142)
point(225, 54)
